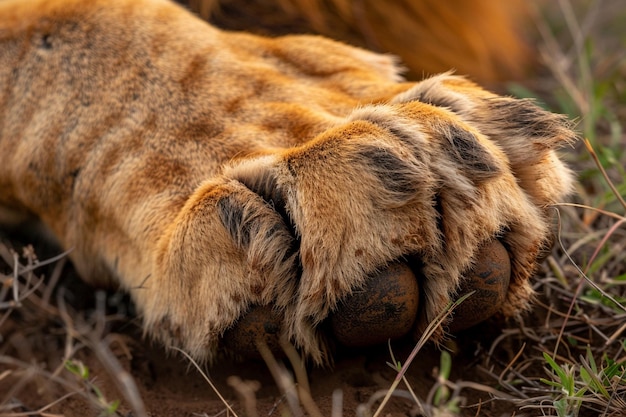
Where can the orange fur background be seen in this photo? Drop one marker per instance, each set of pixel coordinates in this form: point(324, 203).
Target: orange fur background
point(485, 39)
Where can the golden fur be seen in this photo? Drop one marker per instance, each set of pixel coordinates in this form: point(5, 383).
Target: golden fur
point(204, 171)
point(485, 39)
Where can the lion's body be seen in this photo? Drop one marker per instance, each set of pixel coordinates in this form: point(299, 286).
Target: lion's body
point(204, 171)
point(484, 39)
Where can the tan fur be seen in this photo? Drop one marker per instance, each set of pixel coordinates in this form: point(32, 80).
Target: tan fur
point(204, 171)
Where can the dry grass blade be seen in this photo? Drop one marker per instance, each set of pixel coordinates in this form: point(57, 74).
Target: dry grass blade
point(88, 335)
point(583, 274)
point(582, 206)
point(207, 379)
point(32, 371)
point(122, 378)
point(247, 394)
point(304, 391)
point(430, 330)
point(294, 393)
point(337, 404)
point(584, 278)
point(604, 174)
point(41, 411)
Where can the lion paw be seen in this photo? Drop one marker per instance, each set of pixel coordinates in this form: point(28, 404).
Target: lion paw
point(436, 175)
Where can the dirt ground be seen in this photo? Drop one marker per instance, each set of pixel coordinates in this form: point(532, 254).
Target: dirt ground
point(169, 386)
point(52, 325)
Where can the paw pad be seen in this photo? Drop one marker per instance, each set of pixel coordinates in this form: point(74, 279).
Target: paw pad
point(386, 307)
point(489, 278)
